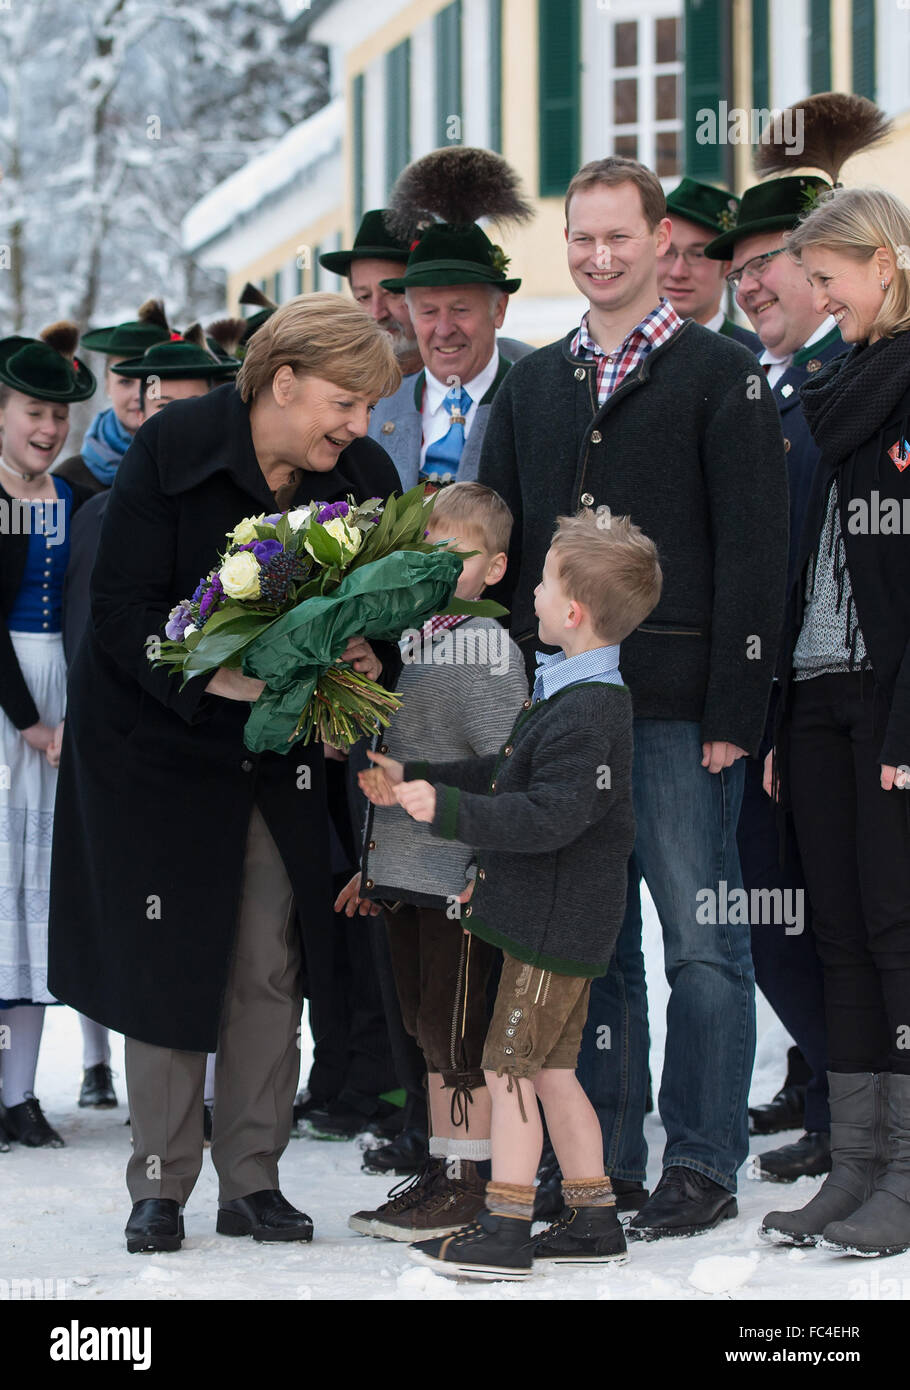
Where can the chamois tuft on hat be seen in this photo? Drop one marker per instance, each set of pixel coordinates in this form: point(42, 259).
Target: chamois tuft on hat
point(62, 335)
point(457, 185)
point(831, 127)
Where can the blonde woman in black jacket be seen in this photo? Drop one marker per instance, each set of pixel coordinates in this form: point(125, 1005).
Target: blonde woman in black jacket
point(843, 755)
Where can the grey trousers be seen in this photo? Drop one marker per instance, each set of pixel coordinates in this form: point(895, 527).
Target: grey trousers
point(257, 1060)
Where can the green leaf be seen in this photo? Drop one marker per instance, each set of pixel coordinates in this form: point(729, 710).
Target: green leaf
point(324, 546)
point(284, 533)
point(474, 608)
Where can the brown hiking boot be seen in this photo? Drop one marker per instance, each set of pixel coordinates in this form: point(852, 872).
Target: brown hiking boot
point(431, 1207)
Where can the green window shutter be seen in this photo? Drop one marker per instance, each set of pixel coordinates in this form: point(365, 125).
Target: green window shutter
point(707, 75)
point(560, 94)
point(864, 48)
point(448, 71)
point(820, 45)
point(317, 270)
point(398, 111)
point(761, 77)
point(357, 153)
point(495, 74)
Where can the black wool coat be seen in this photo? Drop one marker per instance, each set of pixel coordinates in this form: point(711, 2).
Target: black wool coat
point(156, 788)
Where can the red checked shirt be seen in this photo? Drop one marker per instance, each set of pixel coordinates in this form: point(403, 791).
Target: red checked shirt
point(654, 329)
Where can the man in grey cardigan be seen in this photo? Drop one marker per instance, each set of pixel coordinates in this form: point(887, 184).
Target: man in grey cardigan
point(641, 413)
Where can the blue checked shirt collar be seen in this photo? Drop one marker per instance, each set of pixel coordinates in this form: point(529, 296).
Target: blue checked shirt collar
point(557, 671)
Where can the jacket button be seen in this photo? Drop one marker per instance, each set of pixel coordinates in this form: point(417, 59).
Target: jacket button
point(388, 427)
point(384, 748)
point(467, 911)
point(368, 883)
point(481, 873)
point(371, 845)
point(786, 446)
point(246, 765)
point(508, 1051)
point(493, 785)
point(508, 751)
point(587, 499)
point(526, 704)
point(596, 436)
point(580, 373)
point(813, 365)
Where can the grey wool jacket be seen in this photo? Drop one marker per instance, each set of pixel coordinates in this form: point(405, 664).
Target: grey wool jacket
point(551, 818)
point(690, 446)
point(461, 690)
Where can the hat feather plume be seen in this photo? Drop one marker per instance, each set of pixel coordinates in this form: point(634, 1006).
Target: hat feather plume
point(196, 336)
point(152, 311)
point(228, 333)
point(251, 294)
point(63, 336)
point(457, 184)
point(830, 126)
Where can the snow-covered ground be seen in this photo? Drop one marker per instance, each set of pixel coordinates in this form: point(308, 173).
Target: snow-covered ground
point(62, 1213)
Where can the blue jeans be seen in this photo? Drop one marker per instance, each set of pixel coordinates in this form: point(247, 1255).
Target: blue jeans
point(685, 844)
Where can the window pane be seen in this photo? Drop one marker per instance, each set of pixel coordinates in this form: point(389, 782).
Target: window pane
point(626, 145)
point(625, 101)
point(665, 90)
point(667, 143)
point(625, 45)
point(667, 40)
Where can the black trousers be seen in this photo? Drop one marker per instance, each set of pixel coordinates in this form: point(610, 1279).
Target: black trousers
point(787, 968)
point(854, 840)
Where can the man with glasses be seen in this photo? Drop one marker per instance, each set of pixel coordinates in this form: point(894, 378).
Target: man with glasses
point(692, 282)
point(773, 291)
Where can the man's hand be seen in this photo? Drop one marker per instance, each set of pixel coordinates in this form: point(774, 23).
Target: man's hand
point(716, 756)
point(418, 799)
point(349, 901)
point(895, 777)
point(378, 783)
point(767, 775)
point(54, 748)
point(359, 654)
point(234, 685)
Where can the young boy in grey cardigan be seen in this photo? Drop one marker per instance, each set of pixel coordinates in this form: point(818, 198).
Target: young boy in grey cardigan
point(551, 818)
point(463, 681)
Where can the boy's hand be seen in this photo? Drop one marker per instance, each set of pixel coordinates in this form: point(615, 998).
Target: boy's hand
point(349, 900)
point(418, 799)
point(376, 787)
point(718, 755)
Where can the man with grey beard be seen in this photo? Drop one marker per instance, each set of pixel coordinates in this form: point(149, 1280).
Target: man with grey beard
point(375, 256)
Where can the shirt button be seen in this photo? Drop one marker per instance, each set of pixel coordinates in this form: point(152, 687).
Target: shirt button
point(610, 360)
point(587, 499)
point(388, 427)
point(45, 624)
point(596, 436)
point(246, 765)
point(580, 373)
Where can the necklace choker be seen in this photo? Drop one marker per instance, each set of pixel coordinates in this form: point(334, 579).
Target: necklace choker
point(26, 477)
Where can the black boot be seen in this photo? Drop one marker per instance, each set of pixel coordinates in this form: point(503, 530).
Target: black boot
point(785, 1111)
point(98, 1088)
point(265, 1215)
point(402, 1156)
point(881, 1226)
point(25, 1122)
point(809, 1157)
point(582, 1236)
point(684, 1203)
point(492, 1247)
point(5, 1140)
point(155, 1224)
point(630, 1196)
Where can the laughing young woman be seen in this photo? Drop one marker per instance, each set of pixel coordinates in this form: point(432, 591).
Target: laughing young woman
point(844, 751)
point(38, 380)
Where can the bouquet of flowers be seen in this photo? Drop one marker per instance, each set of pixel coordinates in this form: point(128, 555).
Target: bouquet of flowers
point(291, 588)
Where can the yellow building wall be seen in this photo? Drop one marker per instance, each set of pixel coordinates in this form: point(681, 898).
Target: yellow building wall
point(277, 257)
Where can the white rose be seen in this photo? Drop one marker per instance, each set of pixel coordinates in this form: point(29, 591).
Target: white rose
point(298, 517)
point(349, 539)
point(239, 575)
point(187, 630)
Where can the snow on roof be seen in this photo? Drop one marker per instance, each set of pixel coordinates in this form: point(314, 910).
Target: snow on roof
point(247, 188)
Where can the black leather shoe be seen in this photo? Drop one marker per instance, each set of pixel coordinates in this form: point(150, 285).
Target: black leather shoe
point(26, 1123)
point(206, 1126)
point(155, 1224)
point(809, 1157)
point(548, 1203)
point(97, 1088)
point(4, 1138)
point(684, 1203)
point(785, 1111)
point(630, 1196)
point(402, 1156)
point(265, 1216)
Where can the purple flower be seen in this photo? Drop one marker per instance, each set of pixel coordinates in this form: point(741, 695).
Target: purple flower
point(331, 511)
point(200, 590)
point(263, 550)
point(274, 519)
point(179, 620)
point(211, 597)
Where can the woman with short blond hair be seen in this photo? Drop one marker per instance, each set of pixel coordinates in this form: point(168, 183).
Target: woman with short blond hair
point(843, 753)
point(179, 856)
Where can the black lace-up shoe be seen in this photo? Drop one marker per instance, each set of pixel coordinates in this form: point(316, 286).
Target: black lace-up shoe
point(583, 1236)
point(155, 1224)
point(401, 1156)
point(26, 1123)
point(809, 1157)
point(684, 1203)
point(97, 1089)
point(785, 1111)
point(266, 1216)
point(492, 1247)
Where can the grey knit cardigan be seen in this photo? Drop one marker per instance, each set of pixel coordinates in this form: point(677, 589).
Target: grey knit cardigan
point(551, 818)
point(461, 691)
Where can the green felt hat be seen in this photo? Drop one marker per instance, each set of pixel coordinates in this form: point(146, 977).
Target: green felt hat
point(178, 361)
point(125, 339)
point(447, 254)
point(40, 369)
point(776, 205)
point(703, 203)
point(373, 242)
